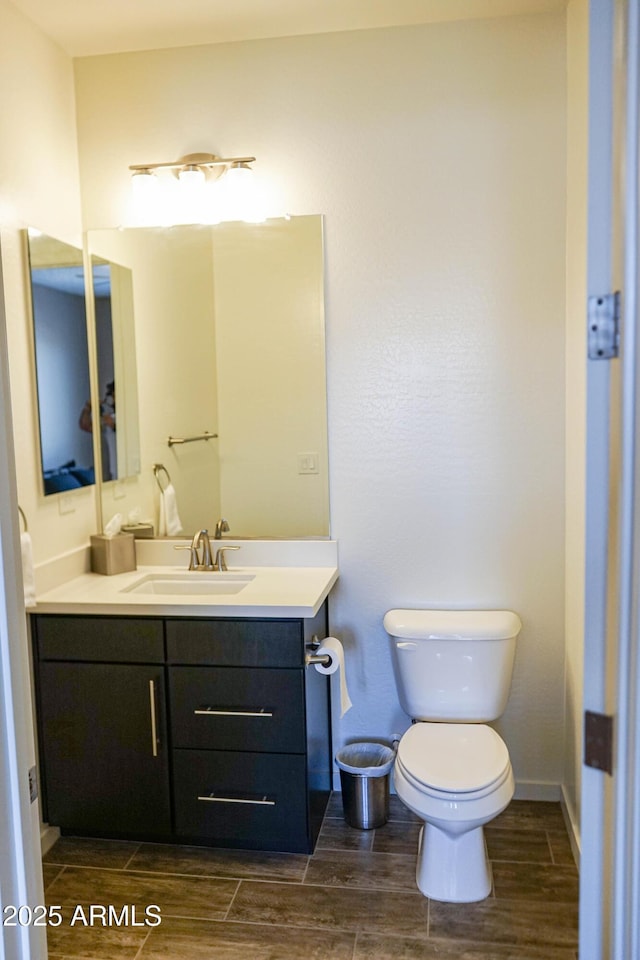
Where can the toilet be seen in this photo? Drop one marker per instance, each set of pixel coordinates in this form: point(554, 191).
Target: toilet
point(453, 674)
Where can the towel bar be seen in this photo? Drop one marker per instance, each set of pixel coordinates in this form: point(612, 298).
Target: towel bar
point(171, 441)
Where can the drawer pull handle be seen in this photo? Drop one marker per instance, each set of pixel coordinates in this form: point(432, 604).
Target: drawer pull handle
point(154, 729)
point(264, 802)
point(212, 712)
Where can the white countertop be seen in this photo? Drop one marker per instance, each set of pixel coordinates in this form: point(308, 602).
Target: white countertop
point(275, 591)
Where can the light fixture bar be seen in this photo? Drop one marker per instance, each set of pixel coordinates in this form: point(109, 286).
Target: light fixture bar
point(192, 159)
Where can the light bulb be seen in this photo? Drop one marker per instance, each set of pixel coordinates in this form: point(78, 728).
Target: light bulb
point(191, 176)
point(191, 194)
point(145, 192)
point(242, 199)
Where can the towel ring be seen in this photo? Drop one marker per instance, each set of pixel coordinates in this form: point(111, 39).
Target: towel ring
point(24, 519)
point(160, 468)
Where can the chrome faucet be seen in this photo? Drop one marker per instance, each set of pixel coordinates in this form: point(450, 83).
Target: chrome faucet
point(197, 562)
point(221, 527)
point(206, 560)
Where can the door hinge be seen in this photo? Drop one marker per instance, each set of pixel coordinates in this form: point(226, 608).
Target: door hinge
point(598, 741)
point(603, 315)
point(33, 785)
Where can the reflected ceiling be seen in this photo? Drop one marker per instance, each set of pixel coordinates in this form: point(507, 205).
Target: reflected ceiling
point(84, 28)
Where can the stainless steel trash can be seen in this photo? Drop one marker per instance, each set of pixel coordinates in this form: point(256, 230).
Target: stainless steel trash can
point(364, 776)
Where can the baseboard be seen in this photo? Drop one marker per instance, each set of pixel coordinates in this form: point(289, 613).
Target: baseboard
point(48, 836)
point(537, 790)
point(573, 827)
point(525, 789)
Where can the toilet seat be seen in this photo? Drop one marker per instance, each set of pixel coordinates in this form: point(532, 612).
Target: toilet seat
point(464, 761)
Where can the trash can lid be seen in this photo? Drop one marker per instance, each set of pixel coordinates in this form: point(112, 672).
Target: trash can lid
point(366, 759)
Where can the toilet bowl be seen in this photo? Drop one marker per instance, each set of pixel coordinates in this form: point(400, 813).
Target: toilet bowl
point(453, 674)
point(456, 778)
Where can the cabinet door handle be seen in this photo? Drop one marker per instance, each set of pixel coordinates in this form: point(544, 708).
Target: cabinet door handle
point(154, 726)
point(263, 802)
point(212, 712)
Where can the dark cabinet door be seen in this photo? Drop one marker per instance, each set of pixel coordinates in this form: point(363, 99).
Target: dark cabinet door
point(242, 799)
point(104, 748)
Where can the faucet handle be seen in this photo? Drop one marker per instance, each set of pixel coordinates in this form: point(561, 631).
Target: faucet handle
point(220, 562)
point(194, 559)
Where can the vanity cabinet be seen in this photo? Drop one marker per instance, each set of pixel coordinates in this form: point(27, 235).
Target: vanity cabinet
point(185, 730)
point(103, 725)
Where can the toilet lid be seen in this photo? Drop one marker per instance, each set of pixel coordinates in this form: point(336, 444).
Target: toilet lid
point(453, 757)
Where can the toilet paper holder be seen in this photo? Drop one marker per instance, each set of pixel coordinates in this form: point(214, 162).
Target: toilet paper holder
point(311, 657)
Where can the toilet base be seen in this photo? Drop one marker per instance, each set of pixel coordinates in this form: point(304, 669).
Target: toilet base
point(454, 869)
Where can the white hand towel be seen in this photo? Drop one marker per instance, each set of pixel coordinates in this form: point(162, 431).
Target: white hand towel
point(169, 523)
point(28, 575)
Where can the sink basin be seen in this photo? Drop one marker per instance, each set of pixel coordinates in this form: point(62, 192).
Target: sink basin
point(194, 583)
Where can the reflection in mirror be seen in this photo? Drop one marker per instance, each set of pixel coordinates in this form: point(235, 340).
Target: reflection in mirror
point(62, 363)
point(117, 374)
point(229, 329)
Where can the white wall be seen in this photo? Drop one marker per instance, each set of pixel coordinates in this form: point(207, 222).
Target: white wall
point(437, 155)
point(38, 187)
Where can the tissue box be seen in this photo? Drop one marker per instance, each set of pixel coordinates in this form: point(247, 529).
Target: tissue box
point(141, 531)
point(111, 555)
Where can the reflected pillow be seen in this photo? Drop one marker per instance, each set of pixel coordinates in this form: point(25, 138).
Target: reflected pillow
point(84, 475)
point(61, 481)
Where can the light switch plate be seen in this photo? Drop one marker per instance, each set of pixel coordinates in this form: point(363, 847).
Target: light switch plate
point(308, 463)
point(66, 504)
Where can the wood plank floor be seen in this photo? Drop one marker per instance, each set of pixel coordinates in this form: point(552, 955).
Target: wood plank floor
point(354, 899)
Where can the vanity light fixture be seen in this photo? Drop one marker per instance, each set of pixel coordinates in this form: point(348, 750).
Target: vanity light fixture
point(187, 190)
point(194, 161)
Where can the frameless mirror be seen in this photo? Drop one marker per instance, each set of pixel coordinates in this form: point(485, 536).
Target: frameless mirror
point(117, 370)
point(62, 363)
point(229, 335)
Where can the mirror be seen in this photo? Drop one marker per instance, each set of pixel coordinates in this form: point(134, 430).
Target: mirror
point(117, 369)
point(229, 336)
point(62, 363)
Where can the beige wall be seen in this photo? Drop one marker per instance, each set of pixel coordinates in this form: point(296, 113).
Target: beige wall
point(38, 187)
point(437, 155)
point(175, 349)
point(577, 132)
point(270, 350)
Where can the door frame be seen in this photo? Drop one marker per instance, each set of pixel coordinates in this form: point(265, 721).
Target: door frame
point(610, 824)
point(20, 854)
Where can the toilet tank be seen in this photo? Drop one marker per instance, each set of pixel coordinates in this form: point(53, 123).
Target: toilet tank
point(453, 665)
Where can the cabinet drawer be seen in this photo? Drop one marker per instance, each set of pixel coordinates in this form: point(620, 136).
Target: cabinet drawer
point(236, 643)
point(237, 708)
point(235, 799)
point(114, 639)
